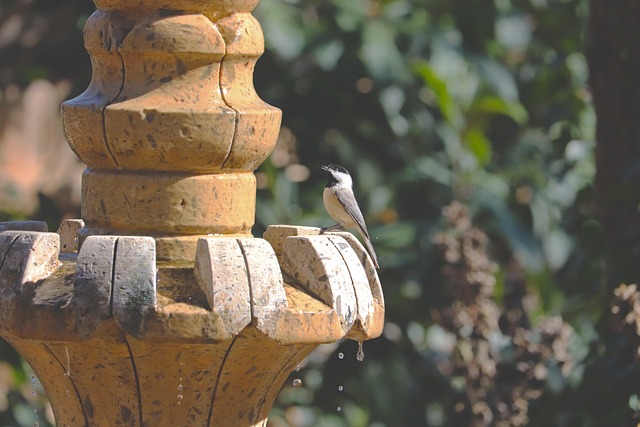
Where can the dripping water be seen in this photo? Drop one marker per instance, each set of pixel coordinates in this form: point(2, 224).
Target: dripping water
point(180, 394)
point(36, 422)
point(67, 372)
point(360, 354)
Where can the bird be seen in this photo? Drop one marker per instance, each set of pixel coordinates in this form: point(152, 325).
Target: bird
point(341, 205)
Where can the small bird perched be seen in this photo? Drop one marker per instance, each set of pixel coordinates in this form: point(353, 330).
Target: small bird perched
point(341, 204)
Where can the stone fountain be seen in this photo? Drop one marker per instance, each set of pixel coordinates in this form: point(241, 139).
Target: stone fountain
point(158, 307)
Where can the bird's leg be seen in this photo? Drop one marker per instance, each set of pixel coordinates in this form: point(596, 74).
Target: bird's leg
point(334, 227)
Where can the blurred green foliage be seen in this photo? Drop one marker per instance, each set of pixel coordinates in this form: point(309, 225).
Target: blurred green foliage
point(426, 102)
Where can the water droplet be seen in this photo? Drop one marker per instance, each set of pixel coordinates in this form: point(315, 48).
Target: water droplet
point(35, 410)
point(298, 368)
point(339, 408)
point(33, 393)
point(180, 397)
point(67, 393)
point(67, 373)
point(340, 388)
point(340, 355)
point(180, 387)
point(297, 382)
point(360, 355)
point(33, 378)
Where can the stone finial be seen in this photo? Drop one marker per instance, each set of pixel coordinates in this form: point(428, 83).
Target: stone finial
point(171, 127)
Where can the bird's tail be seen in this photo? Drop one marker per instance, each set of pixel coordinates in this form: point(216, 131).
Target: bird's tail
point(372, 253)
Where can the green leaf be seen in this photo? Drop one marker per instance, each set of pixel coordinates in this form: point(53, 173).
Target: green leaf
point(495, 105)
point(479, 145)
point(439, 88)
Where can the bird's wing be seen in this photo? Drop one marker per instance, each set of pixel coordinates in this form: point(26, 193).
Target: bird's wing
point(351, 206)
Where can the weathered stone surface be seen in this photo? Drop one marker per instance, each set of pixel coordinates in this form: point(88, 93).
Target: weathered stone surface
point(277, 234)
point(188, 374)
point(370, 320)
point(221, 272)
point(256, 122)
point(134, 282)
point(68, 232)
point(82, 117)
point(24, 226)
point(104, 380)
point(214, 10)
point(268, 298)
point(306, 321)
point(171, 126)
point(260, 363)
point(170, 114)
point(52, 374)
point(173, 204)
point(315, 263)
point(27, 257)
point(167, 331)
point(91, 305)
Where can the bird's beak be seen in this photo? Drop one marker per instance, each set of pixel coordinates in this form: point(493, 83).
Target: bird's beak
point(325, 168)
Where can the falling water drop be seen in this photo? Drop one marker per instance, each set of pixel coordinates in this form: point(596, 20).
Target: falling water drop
point(339, 408)
point(360, 355)
point(67, 372)
point(36, 422)
point(340, 355)
point(340, 388)
point(33, 385)
point(180, 359)
point(298, 368)
point(297, 382)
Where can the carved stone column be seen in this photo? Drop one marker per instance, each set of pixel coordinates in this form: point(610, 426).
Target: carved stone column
point(170, 313)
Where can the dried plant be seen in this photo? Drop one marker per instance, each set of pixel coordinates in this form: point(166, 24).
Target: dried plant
point(501, 362)
point(625, 312)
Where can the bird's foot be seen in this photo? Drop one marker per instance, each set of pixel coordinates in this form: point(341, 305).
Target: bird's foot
point(335, 227)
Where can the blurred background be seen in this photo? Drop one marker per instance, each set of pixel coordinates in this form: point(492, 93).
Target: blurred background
point(469, 129)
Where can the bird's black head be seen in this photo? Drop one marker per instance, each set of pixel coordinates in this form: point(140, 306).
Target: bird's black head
point(336, 174)
point(335, 168)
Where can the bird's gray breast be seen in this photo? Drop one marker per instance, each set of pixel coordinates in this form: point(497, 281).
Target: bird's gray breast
point(336, 209)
